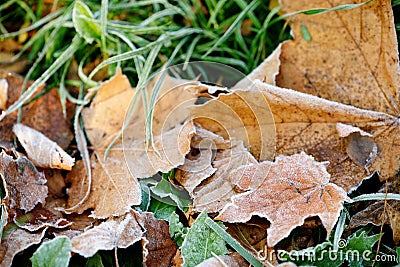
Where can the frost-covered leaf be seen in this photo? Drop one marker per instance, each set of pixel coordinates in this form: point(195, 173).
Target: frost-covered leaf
point(165, 189)
point(41, 150)
point(84, 22)
point(201, 243)
point(293, 188)
point(115, 233)
point(176, 229)
point(45, 114)
point(161, 209)
point(53, 253)
point(16, 241)
point(26, 186)
point(159, 249)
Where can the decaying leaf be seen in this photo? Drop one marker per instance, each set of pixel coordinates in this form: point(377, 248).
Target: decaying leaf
point(41, 150)
point(43, 114)
point(25, 185)
point(16, 241)
point(293, 188)
point(159, 249)
point(114, 233)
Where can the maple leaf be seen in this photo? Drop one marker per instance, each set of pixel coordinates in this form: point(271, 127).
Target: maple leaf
point(293, 188)
point(308, 123)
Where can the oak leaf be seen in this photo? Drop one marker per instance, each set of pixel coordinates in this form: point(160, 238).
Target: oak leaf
point(293, 188)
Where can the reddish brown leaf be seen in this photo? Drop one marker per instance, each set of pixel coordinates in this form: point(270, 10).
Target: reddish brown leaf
point(159, 249)
point(293, 188)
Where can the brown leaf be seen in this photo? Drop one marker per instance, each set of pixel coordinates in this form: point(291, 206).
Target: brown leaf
point(159, 249)
point(44, 114)
point(17, 241)
point(293, 188)
point(25, 185)
point(217, 190)
point(3, 93)
point(112, 234)
point(113, 190)
point(352, 57)
point(41, 150)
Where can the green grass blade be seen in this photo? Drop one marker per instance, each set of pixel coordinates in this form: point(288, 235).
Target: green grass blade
point(243, 4)
point(64, 57)
point(339, 230)
point(377, 196)
point(103, 25)
point(232, 242)
point(315, 11)
point(229, 31)
point(131, 54)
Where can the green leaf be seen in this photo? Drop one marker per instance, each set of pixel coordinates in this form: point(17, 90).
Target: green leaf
point(176, 229)
point(94, 261)
point(56, 252)
point(145, 204)
point(161, 210)
point(201, 243)
point(305, 33)
point(165, 189)
point(3, 219)
point(84, 22)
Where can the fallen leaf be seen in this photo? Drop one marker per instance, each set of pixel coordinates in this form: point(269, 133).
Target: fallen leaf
point(112, 234)
point(113, 190)
point(17, 241)
point(352, 58)
point(159, 247)
point(218, 189)
point(41, 150)
point(25, 185)
point(381, 212)
point(293, 188)
point(43, 114)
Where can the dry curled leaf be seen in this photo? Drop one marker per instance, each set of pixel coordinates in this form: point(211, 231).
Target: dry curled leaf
point(41, 150)
point(293, 188)
point(159, 248)
point(112, 234)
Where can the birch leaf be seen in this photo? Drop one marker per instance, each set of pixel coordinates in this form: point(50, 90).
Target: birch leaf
point(293, 188)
